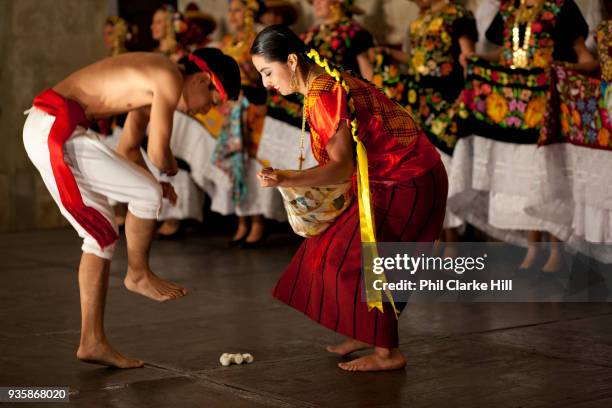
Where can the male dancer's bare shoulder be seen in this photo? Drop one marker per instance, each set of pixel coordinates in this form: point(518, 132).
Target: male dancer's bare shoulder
point(123, 83)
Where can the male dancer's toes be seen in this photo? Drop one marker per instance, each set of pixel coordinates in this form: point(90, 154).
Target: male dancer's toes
point(153, 287)
point(103, 353)
point(347, 347)
point(381, 359)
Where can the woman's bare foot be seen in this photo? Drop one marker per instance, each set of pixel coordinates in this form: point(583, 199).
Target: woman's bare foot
point(169, 227)
point(103, 353)
point(530, 257)
point(553, 264)
point(382, 359)
point(347, 347)
point(150, 285)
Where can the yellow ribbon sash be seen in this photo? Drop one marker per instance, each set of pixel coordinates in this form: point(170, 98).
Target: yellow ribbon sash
point(366, 215)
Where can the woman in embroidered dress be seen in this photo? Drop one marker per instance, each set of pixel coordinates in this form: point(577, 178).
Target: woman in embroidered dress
point(440, 39)
point(407, 181)
point(580, 118)
point(499, 173)
point(339, 38)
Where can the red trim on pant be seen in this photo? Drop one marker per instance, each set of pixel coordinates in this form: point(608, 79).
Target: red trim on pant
point(68, 115)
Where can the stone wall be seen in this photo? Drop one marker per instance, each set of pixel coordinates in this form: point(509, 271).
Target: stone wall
point(41, 42)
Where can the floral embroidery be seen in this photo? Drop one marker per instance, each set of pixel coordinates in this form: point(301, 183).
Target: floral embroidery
point(505, 97)
point(333, 41)
point(604, 45)
point(497, 108)
point(541, 43)
point(431, 41)
point(431, 64)
point(577, 113)
point(509, 98)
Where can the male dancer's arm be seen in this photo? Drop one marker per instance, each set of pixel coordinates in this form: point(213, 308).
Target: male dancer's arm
point(159, 118)
point(133, 133)
point(166, 94)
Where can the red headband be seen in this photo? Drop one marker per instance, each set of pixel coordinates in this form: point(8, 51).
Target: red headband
point(215, 79)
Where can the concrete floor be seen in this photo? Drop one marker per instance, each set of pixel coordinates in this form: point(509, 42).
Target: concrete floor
point(461, 355)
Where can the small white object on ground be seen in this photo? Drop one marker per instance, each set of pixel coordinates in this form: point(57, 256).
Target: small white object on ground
point(227, 359)
point(236, 358)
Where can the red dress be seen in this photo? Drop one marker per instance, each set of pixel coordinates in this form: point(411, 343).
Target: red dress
point(409, 187)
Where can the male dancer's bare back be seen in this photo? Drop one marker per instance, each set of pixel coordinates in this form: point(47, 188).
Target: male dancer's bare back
point(150, 88)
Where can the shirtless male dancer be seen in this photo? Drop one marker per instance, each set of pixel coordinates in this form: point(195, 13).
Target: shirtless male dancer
point(82, 173)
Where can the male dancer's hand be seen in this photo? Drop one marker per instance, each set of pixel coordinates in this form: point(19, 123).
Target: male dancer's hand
point(172, 168)
point(168, 192)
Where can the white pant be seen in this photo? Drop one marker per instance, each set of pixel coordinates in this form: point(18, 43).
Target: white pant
point(100, 173)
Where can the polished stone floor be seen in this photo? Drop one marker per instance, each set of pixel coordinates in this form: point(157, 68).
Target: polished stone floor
point(459, 355)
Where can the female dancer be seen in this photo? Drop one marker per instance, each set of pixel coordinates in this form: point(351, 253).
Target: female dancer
point(406, 178)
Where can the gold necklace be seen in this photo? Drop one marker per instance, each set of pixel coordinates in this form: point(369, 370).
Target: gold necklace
point(520, 58)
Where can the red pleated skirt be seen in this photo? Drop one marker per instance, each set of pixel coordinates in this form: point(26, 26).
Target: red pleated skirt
point(323, 279)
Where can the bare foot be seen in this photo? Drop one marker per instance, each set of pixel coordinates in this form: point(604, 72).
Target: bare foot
point(169, 227)
point(553, 264)
point(530, 258)
point(381, 359)
point(104, 354)
point(347, 347)
point(150, 285)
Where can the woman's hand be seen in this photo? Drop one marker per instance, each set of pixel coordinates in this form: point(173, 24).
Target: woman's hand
point(269, 177)
point(463, 60)
point(467, 51)
point(168, 192)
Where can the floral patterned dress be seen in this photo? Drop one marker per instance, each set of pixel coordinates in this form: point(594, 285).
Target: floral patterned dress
point(507, 103)
point(340, 43)
point(580, 106)
point(435, 77)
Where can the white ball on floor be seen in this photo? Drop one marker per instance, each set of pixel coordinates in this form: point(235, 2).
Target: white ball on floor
point(225, 359)
point(237, 358)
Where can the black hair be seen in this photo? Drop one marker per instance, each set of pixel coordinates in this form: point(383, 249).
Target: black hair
point(224, 66)
point(276, 42)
